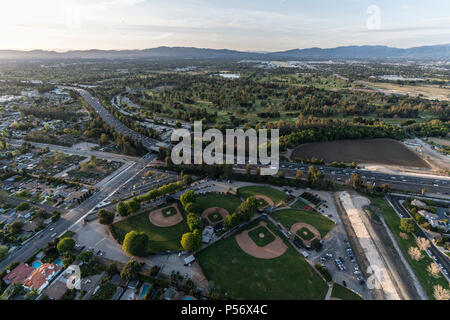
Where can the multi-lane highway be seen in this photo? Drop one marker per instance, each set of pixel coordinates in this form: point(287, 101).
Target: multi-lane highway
point(148, 143)
point(405, 182)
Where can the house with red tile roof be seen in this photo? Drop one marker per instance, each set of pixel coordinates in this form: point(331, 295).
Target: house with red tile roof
point(18, 274)
point(41, 277)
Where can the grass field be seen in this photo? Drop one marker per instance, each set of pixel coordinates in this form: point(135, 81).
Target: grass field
point(289, 217)
point(274, 194)
point(343, 293)
point(265, 240)
point(305, 234)
point(209, 200)
point(167, 212)
point(379, 151)
point(419, 267)
point(245, 277)
point(215, 217)
point(160, 239)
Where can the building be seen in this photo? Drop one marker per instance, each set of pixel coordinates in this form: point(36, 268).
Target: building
point(41, 277)
point(18, 274)
point(418, 203)
point(207, 234)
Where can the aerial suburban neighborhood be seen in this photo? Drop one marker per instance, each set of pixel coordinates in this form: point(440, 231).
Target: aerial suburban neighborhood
point(185, 174)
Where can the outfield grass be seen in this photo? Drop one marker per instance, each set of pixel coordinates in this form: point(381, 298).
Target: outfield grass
point(261, 242)
point(160, 239)
point(419, 267)
point(289, 217)
point(276, 195)
point(209, 200)
point(245, 277)
point(343, 293)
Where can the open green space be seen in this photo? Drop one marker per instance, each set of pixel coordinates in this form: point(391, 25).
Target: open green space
point(215, 217)
point(160, 239)
point(305, 234)
point(343, 293)
point(261, 236)
point(167, 212)
point(261, 203)
point(289, 217)
point(209, 200)
point(276, 195)
point(419, 267)
point(286, 277)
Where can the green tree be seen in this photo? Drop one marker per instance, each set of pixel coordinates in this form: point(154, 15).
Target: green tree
point(188, 196)
point(15, 227)
point(133, 205)
point(85, 256)
point(188, 241)
point(135, 243)
point(131, 270)
point(407, 225)
point(187, 179)
point(105, 217)
point(122, 209)
point(65, 244)
point(193, 221)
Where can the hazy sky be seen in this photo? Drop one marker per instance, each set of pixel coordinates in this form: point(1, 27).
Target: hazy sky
point(260, 25)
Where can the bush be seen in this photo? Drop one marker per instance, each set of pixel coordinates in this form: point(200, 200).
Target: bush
point(105, 217)
point(65, 244)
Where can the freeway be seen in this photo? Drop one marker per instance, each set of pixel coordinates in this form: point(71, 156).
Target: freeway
point(440, 258)
point(405, 182)
point(148, 143)
point(74, 216)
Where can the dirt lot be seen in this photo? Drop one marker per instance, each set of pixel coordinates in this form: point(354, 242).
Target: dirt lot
point(372, 151)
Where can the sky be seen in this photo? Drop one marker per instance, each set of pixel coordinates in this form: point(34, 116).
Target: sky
point(246, 25)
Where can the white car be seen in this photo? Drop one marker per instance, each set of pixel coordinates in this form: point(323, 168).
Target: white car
point(53, 235)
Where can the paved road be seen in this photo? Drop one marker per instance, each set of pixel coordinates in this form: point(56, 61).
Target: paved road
point(404, 182)
point(400, 209)
point(148, 143)
point(73, 217)
point(82, 152)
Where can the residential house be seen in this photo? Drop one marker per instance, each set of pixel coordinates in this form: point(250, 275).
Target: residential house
point(18, 274)
point(41, 277)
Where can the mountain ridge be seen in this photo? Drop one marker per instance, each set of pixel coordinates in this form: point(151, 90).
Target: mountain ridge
point(430, 52)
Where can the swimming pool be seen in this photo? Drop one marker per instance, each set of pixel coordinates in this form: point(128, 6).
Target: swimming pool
point(145, 289)
point(36, 264)
point(58, 262)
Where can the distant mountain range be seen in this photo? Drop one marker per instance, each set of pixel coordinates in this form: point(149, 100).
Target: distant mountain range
point(435, 52)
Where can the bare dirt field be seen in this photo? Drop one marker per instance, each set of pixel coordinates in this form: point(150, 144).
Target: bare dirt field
point(218, 210)
point(272, 250)
point(372, 151)
point(158, 219)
